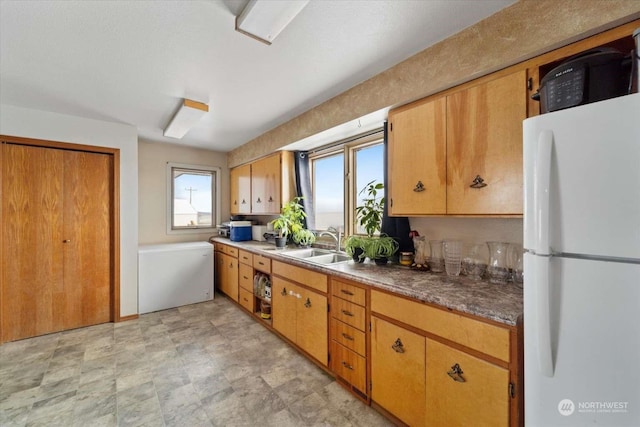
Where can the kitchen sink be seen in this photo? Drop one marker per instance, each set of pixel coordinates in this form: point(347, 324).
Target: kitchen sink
point(329, 258)
point(307, 253)
point(318, 256)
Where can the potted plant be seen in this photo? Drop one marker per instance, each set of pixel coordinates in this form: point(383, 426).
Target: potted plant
point(354, 246)
point(304, 237)
point(289, 222)
point(378, 248)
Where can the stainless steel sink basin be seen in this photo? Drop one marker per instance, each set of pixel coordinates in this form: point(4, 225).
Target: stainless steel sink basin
point(318, 256)
point(306, 253)
point(329, 258)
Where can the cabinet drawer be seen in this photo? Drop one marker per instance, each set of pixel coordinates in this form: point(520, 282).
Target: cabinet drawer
point(348, 336)
point(231, 251)
point(490, 339)
point(348, 312)
point(245, 298)
point(350, 366)
point(246, 277)
point(245, 257)
point(348, 292)
point(262, 263)
point(479, 395)
point(312, 279)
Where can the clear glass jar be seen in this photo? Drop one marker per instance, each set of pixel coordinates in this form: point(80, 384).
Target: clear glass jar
point(498, 268)
point(406, 258)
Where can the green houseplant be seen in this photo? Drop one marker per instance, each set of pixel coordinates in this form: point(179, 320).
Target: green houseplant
point(376, 247)
point(290, 222)
point(304, 237)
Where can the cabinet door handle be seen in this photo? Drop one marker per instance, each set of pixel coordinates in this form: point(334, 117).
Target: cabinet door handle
point(478, 182)
point(346, 365)
point(456, 373)
point(346, 292)
point(307, 303)
point(235, 203)
point(231, 265)
point(397, 346)
point(66, 241)
point(244, 202)
point(284, 292)
point(347, 313)
point(347, 337)
point(419, 187)
point(270, 199)
point(258, 201)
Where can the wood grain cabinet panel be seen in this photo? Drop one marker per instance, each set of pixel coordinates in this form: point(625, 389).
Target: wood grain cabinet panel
point(476, 393)
point(417, 159)
point(240, 178)
point(398, 371)
point(484, 139)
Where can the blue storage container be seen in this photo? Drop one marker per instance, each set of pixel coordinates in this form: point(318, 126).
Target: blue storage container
point(240, 231)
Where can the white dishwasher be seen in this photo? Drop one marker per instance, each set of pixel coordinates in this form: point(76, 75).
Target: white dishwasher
point(174, 274)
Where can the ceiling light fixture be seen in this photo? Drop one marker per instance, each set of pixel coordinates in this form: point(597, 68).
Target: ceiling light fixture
point(265, 19)
point(187, 116)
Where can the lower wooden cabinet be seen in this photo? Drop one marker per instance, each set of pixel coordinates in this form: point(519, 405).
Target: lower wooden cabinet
point(398, 371)
point(349, 365)
point(227, 275)
point(301, 315)
point(463, 390)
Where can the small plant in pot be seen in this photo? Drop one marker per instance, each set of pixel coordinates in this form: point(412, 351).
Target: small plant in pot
point(304, 237)
point(354, 246)
point(378, 248)
point(289, 222)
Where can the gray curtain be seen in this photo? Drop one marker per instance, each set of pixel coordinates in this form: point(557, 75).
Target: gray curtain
point(303, 187)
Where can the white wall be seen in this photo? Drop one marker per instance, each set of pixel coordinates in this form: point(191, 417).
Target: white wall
point(16, 121)
point(152, 186)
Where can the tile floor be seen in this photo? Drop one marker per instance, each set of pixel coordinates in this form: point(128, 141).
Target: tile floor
point(198, 365)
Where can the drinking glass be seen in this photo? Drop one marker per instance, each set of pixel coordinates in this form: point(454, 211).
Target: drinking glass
point(498, 269)
point(436, 262)
point(452, 255)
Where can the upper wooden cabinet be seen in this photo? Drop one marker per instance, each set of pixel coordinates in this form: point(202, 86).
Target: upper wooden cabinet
point(460, 154)
point(484, 147)
point(261, 187)
point(417, 159)
point(241, 189)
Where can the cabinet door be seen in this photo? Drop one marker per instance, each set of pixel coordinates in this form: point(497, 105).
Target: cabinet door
point(266, 185)
point(478, 396)
point(312, 325)
point(417, 159)
point(484, 139)
point(398, 371)
point(229, 276)
point(283, 307)
point(241, 189)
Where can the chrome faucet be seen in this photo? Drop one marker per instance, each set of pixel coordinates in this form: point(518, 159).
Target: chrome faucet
point(336, 234)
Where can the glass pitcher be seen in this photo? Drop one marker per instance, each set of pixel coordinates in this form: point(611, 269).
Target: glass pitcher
point(498, 268)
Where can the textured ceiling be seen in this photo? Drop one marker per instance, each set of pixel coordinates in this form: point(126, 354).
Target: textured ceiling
point(133, 61)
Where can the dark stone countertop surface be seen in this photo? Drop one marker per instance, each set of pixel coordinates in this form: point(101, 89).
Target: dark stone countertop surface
point(500, 303)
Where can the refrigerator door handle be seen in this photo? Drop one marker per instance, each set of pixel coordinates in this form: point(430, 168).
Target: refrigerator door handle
point(541, 185)
point(542, 313)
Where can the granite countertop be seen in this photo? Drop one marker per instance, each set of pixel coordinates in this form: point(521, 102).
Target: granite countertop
point(501, 303)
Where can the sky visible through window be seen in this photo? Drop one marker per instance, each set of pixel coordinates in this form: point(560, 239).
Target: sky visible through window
point(195, 188)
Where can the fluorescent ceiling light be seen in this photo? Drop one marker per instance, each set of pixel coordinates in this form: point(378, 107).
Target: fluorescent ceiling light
point(186, 117)
point(265, 19)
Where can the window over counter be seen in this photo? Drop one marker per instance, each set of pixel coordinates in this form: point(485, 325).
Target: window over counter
point(339, 172)
point(193, 198)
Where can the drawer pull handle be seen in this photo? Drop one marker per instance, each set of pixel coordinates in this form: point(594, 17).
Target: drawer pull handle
point(347, 313)
point(284, 292)
point(245, 277)
point(346, 292)
point(346, 365)
point(397, 346)
point(347, 337)
point(478, 182)
point(307, 303)
point(456, 373)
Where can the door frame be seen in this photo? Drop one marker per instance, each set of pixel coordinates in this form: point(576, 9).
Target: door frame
point(115, 214)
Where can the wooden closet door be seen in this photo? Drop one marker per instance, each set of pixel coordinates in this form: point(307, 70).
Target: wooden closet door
point(32, 217)
point(87, 238)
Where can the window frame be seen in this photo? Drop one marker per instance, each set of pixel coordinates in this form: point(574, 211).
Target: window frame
point(348, 148)
point(215, 172)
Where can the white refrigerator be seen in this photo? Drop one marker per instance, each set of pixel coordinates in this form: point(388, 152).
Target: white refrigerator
point(582, 265)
